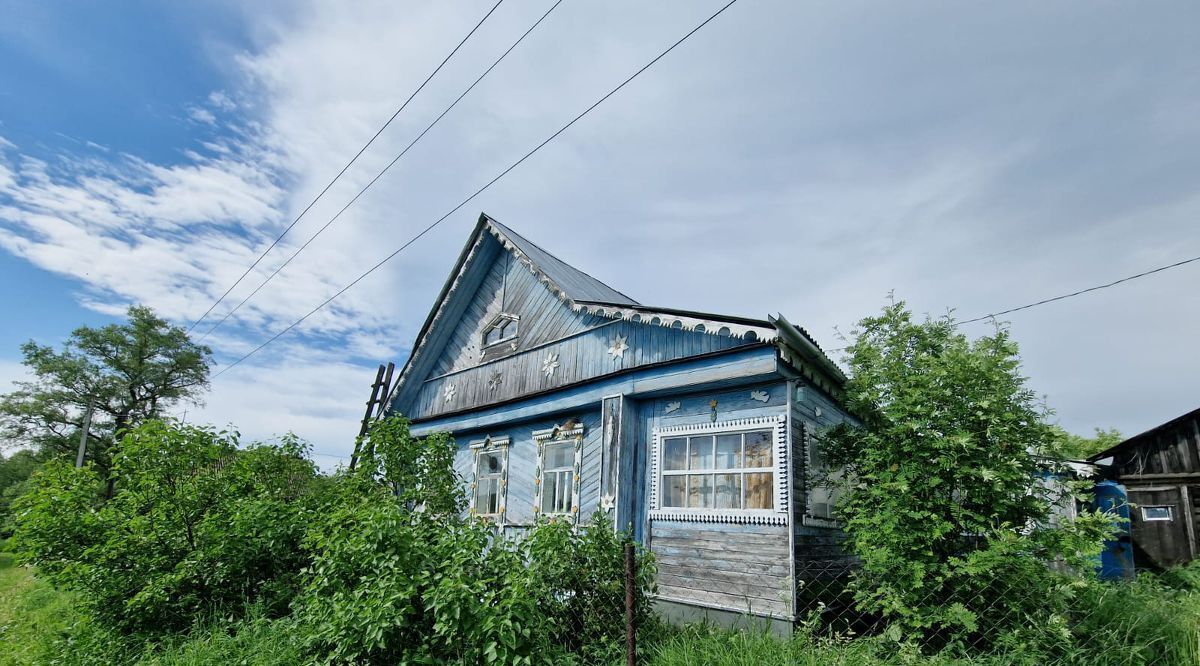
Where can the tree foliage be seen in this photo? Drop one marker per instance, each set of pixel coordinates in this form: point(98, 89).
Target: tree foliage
point(129, 372)
point(942, 497)
point(196, 524)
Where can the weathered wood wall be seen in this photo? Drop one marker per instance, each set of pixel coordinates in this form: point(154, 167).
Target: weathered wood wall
point(523, 461)
point(743, 568)
point(579, 357)
point(1162, 468)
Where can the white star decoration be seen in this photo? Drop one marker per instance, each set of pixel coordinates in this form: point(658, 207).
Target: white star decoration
point(449, 392)
point(494, 380)
point(550, 365)
point(618, 347)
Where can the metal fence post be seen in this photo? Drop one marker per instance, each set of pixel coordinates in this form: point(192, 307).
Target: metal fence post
point(630, 585)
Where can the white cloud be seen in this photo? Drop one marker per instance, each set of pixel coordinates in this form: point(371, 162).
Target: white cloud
point(788, 157)
point(202, 115)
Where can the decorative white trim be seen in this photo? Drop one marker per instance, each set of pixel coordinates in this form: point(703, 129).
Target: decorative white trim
point(490, 442)
point(672, 407)
point(669, 320)
point(761, 396)
point(778, 424)
point(559, 434)
point(732, 516)
point(549, 365)
point(487, 445)
point(618, 347)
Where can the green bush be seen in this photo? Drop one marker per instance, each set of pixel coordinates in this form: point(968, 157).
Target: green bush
point(400, 575)
point(940, 494)
point(196, 524)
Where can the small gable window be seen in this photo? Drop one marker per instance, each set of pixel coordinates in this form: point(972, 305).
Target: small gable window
point(502, 329)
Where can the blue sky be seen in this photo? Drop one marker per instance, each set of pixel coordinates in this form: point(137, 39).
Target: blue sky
point(799, 158)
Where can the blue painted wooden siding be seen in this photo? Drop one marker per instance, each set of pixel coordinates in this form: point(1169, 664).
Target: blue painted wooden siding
point(741, 567)
point(509, 286)
point(523, 462)
point(580, 357)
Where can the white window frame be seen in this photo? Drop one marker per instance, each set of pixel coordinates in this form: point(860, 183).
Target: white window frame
point(1170, 513)
point(777, 515)
point(503, 316)
point(569, 433)
point(490, 445)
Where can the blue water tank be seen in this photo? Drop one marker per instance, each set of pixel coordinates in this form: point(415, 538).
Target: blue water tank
point(1116, 560)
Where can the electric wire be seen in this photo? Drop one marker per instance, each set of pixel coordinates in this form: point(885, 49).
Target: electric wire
point(477, 192)
point(379, 175)
point(343, 171)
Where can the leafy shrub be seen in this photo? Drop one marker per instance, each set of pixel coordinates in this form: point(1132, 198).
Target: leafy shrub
point(196, 524)
point(400, 575)
point(941, 498)
point(577, 577)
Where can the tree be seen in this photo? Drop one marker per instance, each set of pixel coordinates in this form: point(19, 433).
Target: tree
point(941, 499)
point(129, 372)
point(1077, 447)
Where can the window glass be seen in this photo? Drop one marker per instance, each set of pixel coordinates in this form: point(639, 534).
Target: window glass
point(675, 453)
point(758, 448)
point(700, 452)
point(728, 491)
point(700, 491)
point(560, 455)
point(673, 491)
point(1156, 513)
point(724, 471)
point(489, 471)
point(729, 452)
point(759, 492)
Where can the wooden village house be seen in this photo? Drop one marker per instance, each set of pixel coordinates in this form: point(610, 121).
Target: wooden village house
point(694, 430)
point(1160, 470)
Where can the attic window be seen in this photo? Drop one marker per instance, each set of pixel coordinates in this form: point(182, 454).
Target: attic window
point(502, 329)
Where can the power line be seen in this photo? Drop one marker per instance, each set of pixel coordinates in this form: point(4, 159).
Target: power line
point(1082, 291)
point(348, 164)
point(491, 182)
point(1064, 296)
point(381, 173)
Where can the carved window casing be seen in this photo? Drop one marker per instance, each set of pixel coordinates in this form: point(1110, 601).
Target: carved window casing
point(729, 471)
point(489, 488)
point(501, 329)
point(557, 477)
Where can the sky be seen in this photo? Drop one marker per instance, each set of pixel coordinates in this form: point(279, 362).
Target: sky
point(802, 158)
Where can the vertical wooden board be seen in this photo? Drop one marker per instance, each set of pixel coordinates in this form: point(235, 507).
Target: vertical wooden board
point(522, 463)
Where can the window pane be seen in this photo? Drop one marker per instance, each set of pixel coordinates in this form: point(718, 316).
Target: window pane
point(700, 491)
point(758, 448)
point(673, 490)
point(759, 493)
point(729, 491)
point(492, 335)
point(675, 453)
point(560, 455)
point(487, 496)
point(489, 463)
point(549, 492)
point(729, 451)
point(700, 452)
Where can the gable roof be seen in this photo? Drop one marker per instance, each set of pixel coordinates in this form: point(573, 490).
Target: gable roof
point(1141, 437)
point(577, 285)
point(582, 292)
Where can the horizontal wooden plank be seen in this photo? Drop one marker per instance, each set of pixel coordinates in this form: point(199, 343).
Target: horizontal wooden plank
point(738, 602)
point(747, 589)
point(682, 528)
point(776, 575)
point(767, 545)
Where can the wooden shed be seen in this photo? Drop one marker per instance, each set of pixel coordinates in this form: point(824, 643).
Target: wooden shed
point(1160, 469)
point(693, 430)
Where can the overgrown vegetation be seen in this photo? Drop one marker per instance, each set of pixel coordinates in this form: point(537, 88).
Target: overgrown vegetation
point(203, 538)
point(940, 494)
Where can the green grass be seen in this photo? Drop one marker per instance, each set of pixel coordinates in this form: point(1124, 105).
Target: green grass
point(1152, 621)
point(31, 612)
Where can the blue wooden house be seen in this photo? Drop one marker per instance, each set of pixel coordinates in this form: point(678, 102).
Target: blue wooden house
point(694, 430)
